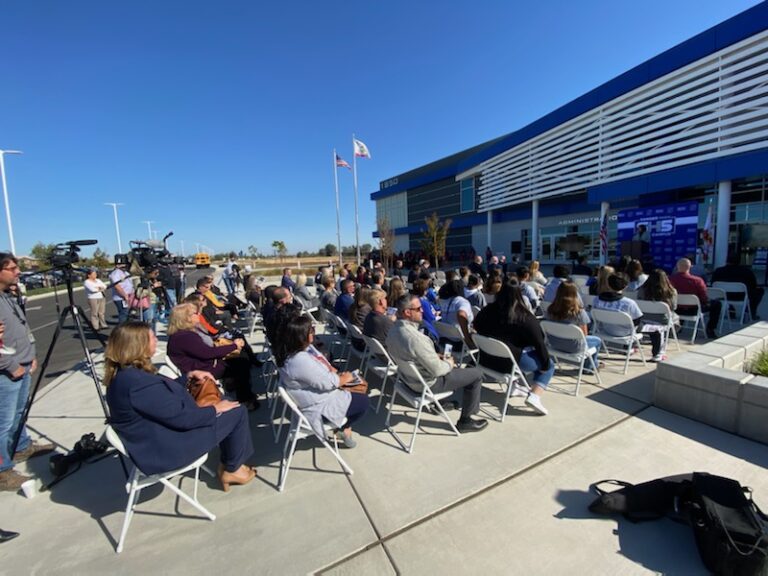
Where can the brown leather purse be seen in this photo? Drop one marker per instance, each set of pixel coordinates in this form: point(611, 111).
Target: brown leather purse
point(205, 391)
point(226, 342)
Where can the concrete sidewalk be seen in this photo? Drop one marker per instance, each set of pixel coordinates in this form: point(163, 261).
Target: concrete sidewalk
point(511, 499)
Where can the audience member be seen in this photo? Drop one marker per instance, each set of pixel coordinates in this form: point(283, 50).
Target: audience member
point(601, 285)
point(286, 281)
point(473, 292)
point(396, 290)
point(476, 267)
point(456, 310)
point(559, 273)
point(407, 345)
point(360, 308)
point(733, 271)
point(508, 319)
point(315, 385)
point(158, 421)
point(122, 291)
point(329, 295)
point(686, 283)
point(429, 314)
point(636, 275)
point(345, 300)
point(568, 309)
point(377, 323)
point(189, 349)
point(536, 274)
point(582, 268)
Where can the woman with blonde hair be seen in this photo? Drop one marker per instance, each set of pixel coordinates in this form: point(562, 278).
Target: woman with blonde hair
point(601, 284)
point(158, 421)
point(536, 275)
point(191, 348)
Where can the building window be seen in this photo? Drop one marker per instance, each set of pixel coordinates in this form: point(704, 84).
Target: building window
point(468, 195)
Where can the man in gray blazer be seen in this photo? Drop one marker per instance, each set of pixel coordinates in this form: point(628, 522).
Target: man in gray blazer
point(406, 344)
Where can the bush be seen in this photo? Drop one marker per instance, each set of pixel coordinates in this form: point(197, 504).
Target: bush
point(759, 364)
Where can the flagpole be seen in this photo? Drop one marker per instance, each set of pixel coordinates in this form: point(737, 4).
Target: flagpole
point(357, 219)
point(338, 224)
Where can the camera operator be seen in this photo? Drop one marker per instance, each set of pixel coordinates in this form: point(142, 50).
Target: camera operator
point(15, 377)
point(122, 291)
point(169, 287)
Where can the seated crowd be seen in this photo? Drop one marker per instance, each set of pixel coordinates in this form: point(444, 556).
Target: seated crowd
point(161, 424)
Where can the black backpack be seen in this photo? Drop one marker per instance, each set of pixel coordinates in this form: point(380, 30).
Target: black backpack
point(731, 532)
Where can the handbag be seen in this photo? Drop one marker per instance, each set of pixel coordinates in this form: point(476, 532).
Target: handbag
point(140, 303)
point(226, 342)
point(205, 391)
point(731, 531)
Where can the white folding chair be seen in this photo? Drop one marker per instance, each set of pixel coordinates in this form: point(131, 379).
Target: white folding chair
point(356, 341)
point(341, 330)
point(515, 377)
point(137, 481)
point(558, 333)
point(299, 430)
point(418, 400)
point(631, 294)
point(544, 305)
point(694, 316)
point(380, 363)
point(255, 318)
point(460, 348)
point(610, 322)
point(722, 296)
point(741, 306)
point(659, 313)
point(579, 279)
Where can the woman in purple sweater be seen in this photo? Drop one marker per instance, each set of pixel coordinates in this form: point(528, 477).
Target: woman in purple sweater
point(190, 348)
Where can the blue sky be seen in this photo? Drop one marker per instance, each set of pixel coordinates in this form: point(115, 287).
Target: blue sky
point(218, 120)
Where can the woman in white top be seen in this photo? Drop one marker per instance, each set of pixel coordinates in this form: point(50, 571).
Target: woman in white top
point(536, 275)
point(456, 309)
point(94, 289)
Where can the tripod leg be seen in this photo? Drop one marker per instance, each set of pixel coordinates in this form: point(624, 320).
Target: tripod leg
point(79, 315)
point(36, 387)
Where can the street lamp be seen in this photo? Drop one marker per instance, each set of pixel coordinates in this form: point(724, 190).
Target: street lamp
point(149, 227)
point(5, 196)
point(117, 225)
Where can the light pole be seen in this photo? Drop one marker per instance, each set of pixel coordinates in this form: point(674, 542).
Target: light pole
point(5, 196)
point(182, 248)
point(117, 224)
point(149, 227)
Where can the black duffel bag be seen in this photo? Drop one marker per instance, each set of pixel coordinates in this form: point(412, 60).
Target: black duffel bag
point(731, 531)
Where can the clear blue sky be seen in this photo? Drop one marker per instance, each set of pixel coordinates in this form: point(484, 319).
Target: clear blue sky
point(218, 120)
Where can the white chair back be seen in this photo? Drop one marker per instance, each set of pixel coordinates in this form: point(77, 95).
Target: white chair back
point(564, 331)
point(579, 279)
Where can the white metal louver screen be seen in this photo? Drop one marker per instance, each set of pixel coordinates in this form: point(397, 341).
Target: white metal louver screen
point(714, 107)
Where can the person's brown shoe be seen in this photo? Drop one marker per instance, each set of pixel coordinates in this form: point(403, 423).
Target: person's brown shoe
point(34, 449)
point(11, 481)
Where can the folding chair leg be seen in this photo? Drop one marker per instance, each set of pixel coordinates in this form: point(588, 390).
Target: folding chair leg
point(133, 496)
point(594, 371)
point(383, 388)
point(187, 498)
point(285, 464)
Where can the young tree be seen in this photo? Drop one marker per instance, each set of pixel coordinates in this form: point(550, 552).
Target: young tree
point(386, 242)
point(280, 249)
point(435, 235)
point(100, 259)
point(328, 250)
point(42, 253)
point(253, 252)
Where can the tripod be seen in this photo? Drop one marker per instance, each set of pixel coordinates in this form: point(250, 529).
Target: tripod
point(77, 315)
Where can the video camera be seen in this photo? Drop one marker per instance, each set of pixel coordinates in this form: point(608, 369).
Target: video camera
point(146, 256)
point(66, 253)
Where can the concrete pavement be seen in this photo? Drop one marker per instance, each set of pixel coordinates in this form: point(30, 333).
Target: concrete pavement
point(510, 499)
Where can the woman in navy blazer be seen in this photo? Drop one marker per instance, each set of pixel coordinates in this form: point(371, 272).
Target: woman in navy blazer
point(159, 422)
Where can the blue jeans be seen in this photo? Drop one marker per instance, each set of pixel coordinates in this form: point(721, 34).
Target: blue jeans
point(13, 399)
point(530, 362)
point(122, 311)
point(597, 342)
point(230, 284)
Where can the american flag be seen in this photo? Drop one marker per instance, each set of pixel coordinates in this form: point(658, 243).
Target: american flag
point(341, 163)
point(604, 235)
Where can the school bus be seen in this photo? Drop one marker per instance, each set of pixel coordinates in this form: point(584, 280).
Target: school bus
point(202, 260)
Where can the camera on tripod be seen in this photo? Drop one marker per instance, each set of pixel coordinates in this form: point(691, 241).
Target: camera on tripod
point(146, 256)
point(85, 448)
point(66, 254)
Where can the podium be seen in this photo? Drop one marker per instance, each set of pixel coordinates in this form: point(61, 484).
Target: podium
point(636, 249)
